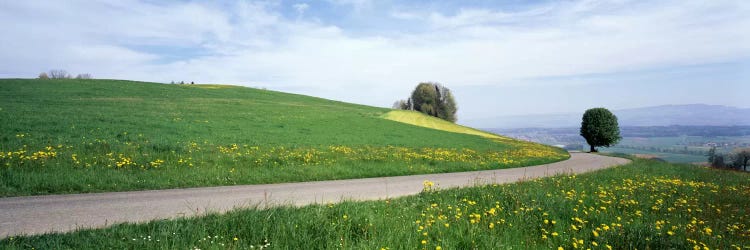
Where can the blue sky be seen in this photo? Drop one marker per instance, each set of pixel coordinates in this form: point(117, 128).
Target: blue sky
point(498, 57)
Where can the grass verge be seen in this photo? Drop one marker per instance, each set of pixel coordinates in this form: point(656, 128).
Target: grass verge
point(642, 205)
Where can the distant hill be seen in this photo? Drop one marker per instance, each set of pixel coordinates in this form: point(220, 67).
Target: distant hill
point(666, 115)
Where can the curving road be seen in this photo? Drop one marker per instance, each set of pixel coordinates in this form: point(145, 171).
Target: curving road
point(62, 213)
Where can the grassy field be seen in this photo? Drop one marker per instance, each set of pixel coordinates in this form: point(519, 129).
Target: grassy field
point(74, 136)
point(419, 119)
point(642, 205)
point(679, 149)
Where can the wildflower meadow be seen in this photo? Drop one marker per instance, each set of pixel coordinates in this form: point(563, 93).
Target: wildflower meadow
point(79, 136)
point(642, 205)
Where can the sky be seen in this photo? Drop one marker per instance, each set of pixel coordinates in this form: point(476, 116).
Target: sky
point(497, 57)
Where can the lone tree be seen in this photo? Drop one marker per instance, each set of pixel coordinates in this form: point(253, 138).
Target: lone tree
point(599, 127)
point(432, 99)
point(715, 159)
point(740, 158)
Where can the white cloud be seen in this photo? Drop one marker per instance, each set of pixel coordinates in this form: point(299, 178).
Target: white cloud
point(357, 5)
point(300, 8)
point(473, 17)
point(256, 44)
point(405, 15)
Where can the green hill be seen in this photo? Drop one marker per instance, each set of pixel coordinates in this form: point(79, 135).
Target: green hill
point(72, 136)
point(422, 120)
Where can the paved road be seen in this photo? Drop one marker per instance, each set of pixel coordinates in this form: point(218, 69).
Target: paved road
point(61, 213)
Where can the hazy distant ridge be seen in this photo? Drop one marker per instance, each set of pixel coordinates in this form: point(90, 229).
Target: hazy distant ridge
point(686, 115)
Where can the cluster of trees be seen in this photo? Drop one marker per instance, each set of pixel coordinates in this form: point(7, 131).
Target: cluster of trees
point(737, 159)
point(180, 82)
point(62, 74)
point(432, 99)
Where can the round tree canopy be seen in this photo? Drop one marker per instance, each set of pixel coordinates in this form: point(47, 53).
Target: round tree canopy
point(600, 129)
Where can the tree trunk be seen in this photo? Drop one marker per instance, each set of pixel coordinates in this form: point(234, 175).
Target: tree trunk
point(593, 150)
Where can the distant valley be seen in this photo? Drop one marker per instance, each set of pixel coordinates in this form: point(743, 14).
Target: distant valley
point(667, 115)
point(677, 133)
point(672, 143)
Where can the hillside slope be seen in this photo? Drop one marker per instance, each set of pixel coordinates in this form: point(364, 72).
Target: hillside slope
point(422, 120)
point(70, 136)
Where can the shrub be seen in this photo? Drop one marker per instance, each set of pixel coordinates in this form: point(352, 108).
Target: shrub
point(59, 74)
point(718, 161)
point(740, 158)
point(83, 76)
point(400, 104)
